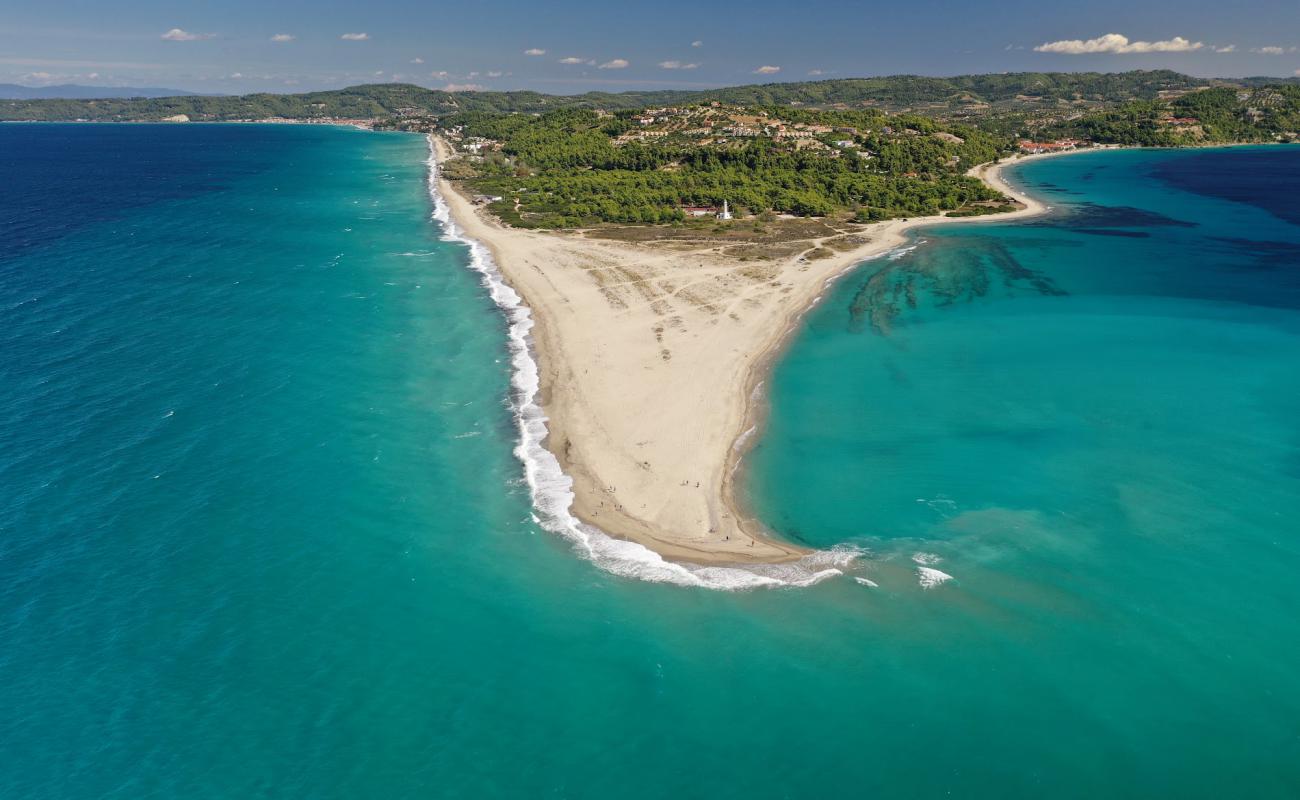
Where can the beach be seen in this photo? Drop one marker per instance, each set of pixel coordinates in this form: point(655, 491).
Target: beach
point(652, 358)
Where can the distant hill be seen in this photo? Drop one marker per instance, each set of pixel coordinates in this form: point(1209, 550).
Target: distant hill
point(959, 97)
point(72, 91)
point(1264, 80)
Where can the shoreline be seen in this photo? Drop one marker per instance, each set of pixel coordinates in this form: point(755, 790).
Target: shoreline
point(756, 412)
point(698, 525)
point(550, 487)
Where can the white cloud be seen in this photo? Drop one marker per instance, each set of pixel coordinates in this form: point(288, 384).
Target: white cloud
point(816, 72)
point(615, 63)
point(38, 76)
point(379, 73)
point(1117, 43)
point(676, 65)
point(178, 35)
point(283, 37)
point(462, 87)
point(93, 76)
point(496, 73)
point(355, 37)
point(697, 43)
point(1269, 51)
point(534, 51)
point(1227, 48)
point(417, 60)
point(441, 74)
point(767, 69)
point(575, 60)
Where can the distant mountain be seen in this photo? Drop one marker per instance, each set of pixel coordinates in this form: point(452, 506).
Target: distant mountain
point(71, 91)
point(962, 97)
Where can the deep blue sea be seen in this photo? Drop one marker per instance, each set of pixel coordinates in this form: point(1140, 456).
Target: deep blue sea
point(262, 533)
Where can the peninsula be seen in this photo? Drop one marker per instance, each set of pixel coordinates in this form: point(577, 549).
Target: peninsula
point(667, 252)
point(653, 352)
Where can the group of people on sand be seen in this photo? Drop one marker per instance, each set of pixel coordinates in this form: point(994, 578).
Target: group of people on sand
point(687, 482)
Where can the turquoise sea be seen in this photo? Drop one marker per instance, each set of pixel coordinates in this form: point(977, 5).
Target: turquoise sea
point(262, 532)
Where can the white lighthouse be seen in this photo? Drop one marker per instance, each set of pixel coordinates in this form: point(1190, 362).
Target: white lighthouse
point(725, 213)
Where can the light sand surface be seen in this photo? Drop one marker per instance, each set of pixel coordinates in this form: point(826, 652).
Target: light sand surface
point(651, 359)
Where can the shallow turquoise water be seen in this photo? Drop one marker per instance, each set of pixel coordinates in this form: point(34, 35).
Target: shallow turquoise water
point(1092, 422)
point(262, 534)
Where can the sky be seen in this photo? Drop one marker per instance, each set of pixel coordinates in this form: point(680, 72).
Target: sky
point(565, 46)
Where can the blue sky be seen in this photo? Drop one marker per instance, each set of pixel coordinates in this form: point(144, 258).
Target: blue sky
point(581, 45)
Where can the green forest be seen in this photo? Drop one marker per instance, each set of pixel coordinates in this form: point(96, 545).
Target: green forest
point(564, 169)
point(1222, 115)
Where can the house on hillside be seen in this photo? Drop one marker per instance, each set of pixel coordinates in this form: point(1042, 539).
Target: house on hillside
point(1027, 146)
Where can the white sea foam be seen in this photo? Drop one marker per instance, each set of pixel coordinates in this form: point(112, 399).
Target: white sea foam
point(866, 582)
point(743, 438)
point(929, 577)
point(926, 559)
point(552, 490)
point(899, 252)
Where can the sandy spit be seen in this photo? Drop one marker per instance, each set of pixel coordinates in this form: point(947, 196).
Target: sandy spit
point(652, 359)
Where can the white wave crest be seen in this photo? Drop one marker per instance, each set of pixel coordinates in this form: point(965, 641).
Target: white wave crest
point(899, 252)
point(552, 490)
point(744, 438)
point(929, 577)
